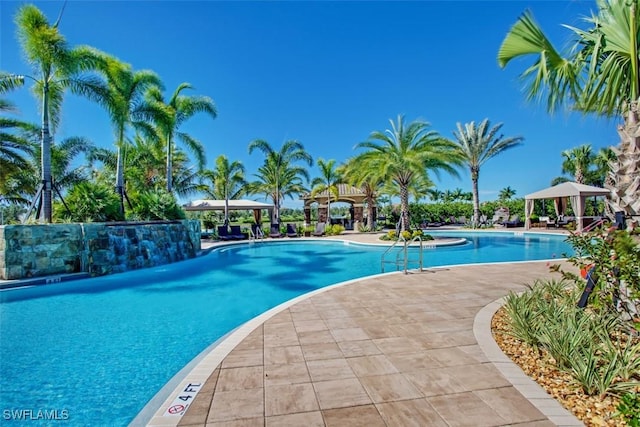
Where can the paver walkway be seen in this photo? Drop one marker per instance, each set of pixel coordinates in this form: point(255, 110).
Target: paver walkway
point(393, 350)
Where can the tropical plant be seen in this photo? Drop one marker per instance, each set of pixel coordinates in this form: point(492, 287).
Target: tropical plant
point(124, 102)
point(156, 205)
point(279, 177)
point(577, 162)
point(477, 144)
point(327, 182)
point(178, 109)
point(600, 75)
point(405, 154)
point(226, 182)
point(506, 193)
point(56, 68)
point(15, 144)
point(89, 202)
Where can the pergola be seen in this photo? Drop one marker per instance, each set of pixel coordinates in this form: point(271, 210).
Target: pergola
point(576, 193)
point(346, 193)
point(233, 205)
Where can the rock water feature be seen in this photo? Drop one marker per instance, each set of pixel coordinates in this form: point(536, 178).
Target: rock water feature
point(28, 251)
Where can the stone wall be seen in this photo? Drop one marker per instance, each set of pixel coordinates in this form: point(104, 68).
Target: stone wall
point(97, 248)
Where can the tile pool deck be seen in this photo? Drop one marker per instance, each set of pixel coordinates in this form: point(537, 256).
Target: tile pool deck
point(391, 350)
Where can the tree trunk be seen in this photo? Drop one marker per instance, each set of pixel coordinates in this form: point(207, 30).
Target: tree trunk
point(169, 165)
point(476, 197)
point(404, 208)
point(625, 179)
point(45, 159)
point(120, 172)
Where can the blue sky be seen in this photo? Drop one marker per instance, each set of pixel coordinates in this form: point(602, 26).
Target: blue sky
point(328, 74)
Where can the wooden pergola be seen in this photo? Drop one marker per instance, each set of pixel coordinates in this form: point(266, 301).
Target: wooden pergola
point(346, 194)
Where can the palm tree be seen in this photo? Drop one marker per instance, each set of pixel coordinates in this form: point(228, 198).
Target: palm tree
point(327, 181)
point(226, 182)
point(278, 177)
point(56, 67)
point(126, 107)
point(477, 144)
point(577, 162)
point(178, 109)
point(15, 145)
point(405, 154)
point(600, 75)
point(369, 181)
point(506, 193)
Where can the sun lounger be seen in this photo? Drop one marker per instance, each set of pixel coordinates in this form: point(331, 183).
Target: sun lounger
point(319, 231)
point(223, 233)
point(514, 221)
point(275, 231)
point(291, 230)
point(236, 233)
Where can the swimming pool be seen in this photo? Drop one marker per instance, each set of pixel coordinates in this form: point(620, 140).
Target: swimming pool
point(97, 350)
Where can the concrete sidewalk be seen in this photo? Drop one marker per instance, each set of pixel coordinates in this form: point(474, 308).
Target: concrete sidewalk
point(393, 350)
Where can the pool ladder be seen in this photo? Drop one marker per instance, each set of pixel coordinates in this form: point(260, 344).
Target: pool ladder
point(402, 254)
point(253, 237)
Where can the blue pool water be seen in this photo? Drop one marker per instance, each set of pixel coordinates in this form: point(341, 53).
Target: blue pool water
point(99, 349)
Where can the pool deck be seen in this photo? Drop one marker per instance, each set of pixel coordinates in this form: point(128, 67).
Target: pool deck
point(389, 350)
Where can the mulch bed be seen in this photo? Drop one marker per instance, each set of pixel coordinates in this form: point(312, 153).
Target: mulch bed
point(592, 410)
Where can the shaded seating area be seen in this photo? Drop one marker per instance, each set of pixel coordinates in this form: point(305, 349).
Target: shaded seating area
point(575, 193)
point(291, 230)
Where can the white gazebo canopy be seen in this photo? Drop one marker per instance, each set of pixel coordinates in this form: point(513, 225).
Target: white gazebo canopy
point(576, 193)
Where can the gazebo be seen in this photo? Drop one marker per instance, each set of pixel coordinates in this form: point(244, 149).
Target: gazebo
point(233, 205)
point(346, 193)
point(576, 193)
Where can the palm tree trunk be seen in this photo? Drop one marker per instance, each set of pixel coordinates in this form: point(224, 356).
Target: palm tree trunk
point(120, 172)
point(46, 215)
point(169, 166)
point(476, 200)
point(625, 189)
point(404, 208)
point(329, 210)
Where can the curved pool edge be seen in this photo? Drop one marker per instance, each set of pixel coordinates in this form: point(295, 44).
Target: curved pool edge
point(530, 389)
point(199, 369)
point(210, 358)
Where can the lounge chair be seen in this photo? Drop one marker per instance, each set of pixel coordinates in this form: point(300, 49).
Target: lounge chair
point(275, 231)
point(223, 233)
point(564, 221)
point(236, 233)
point(514, 221)
point(291, 230)
point(319, 231)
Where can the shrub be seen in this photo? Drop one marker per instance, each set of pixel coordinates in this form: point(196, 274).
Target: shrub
point(90, 202)
point(156, 205)
point(334, 230)
point(629, 409)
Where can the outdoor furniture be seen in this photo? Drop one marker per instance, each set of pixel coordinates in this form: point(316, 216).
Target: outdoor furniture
point(291, 230)
point(319, 231)
point(275, 231)
point(236, 233)
point(514, 221)
point(223, 233)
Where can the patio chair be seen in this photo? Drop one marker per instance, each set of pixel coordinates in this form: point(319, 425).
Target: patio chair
point(236, 233)
point(319, 231)
point(514, 221)
point(275, 231)
point(291, 230)
point(223, 233)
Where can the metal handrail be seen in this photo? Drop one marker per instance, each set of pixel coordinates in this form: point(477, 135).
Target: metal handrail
point(593, 225)
point(404, 252)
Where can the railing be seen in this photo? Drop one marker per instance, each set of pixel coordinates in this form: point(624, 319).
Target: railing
point(593, 225)
point(257, 235)
point(402, 255)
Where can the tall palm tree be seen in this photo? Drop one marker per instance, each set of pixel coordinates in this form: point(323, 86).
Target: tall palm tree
point(226, 182)
point(279, 177)
point(577, 162)
point(178, 109)
point(124, 101)
point(56, 67)
point(406, 153)
point(599, 75)
point(327, 181)
point(477, 144)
